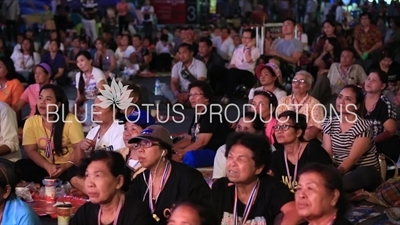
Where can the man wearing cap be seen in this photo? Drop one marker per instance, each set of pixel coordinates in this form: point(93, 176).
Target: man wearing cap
point(134, 125)
point(164, 182)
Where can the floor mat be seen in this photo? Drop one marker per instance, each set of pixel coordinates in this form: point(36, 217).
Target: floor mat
point(360, 214)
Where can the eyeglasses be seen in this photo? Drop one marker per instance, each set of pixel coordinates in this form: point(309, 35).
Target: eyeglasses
point(301, 81)
point(195, 95)
point(284, 127)
point(144, 144)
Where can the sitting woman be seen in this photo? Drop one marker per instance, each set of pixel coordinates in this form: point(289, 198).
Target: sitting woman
point(11, 88)
point(124, 51)
point(134, 125)
point(264, 104)
point(57, 61)
point(108, 134)
point(104, 59)
point(30, 96)
point(330, 54)
point(247, 191)
point(250, 123)
point(320, 198)
point(349, 139)
point(207, 132)
point(382, 115)
point(25, 59)
point(296, 152)
point(269, 75)
point(164, 182)
point(106, 181)
point(191, 213)
point(88, 83)
point(301, 102)
point(50, 139)
point(13, 210)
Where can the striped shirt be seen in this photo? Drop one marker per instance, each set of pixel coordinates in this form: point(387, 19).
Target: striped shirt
point(87, 7)
point(342, 142)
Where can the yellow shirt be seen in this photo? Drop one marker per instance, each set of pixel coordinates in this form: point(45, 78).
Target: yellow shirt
point(34, 134)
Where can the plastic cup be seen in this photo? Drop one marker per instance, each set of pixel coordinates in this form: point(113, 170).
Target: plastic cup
point(64, 213)
point(50, 189)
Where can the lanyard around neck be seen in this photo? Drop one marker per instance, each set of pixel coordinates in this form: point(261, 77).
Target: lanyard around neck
point(153, 201)
point(121, 202)
point(300, 105)
point(49, 149)
point(295, 167)
point(249, 204)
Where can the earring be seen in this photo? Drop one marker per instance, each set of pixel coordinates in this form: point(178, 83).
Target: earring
point(163, 159)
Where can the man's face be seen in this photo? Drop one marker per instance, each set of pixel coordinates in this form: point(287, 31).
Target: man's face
point(346, 58)
point(365, 20)
point(204, 49)
point(185, 55)
point(224, 33)
point(288, 27)
point(246, 38)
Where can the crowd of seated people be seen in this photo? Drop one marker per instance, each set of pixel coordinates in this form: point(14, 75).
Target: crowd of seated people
point(132, 170)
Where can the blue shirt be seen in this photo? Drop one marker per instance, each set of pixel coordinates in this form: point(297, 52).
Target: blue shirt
point(17, 212)
point(56, 63)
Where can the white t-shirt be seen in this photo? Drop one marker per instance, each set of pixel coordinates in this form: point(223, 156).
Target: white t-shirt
point(46, 46)
point(219, 169)
point(120, 56)
point(113, 137)
point(197, 69)
point(238, 59)
point(25, 62)
point(91, 85)
point(160, 48)
point(147, 9)
point(17, 47)
point(279, 93)
point(224, 47)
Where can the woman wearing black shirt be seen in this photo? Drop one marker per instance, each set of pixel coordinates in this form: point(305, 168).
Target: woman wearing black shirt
point(296, 153)
point(331, 54)
point(248, 195)
point(164, 182)
point(207, 132)
point(106, 179)
point(387, 66)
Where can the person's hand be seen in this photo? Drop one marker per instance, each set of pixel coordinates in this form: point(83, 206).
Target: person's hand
point(360, 53)
point(60, 169)
point(86, 144)
point(177, 157)
point(51, 169)
point(251, 43)
point(271, 52)
point(182, 97)
point(232, 66)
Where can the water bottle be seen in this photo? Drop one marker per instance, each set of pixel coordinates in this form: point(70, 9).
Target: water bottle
point(157, 92)
point(157, 88)
point(126, 73)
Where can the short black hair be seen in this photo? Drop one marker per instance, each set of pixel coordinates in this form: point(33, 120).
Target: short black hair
point(206, 213)
point(257, 143)
point(291, 20)
point(115, 164)
point(9, 64)
point(206, 40)
point(205, 87)
point(350, 49)
point(252, 33)
point(299, 121)
point(137, 36)
point(227, 29)
point(188, 46)
point(369, 15)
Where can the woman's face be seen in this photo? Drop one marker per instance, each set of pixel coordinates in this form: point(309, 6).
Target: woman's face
point(196, 97)
point(245, 125)
point(41, 77)
point(83, 45)
point(328, 29)
point(3, 70)
point(287, 133)
point(99, 45)
point(54, 35)
point(47, 102)
point(26, 45)
point(299, 84)
point(149, 153)
point(328, 46)
point(76, 43)
point(146, 43)
point(124, 41)
point(386, 62)
point(240, 165)
point(313, 200)
point(131, 130)
point(83, 63)
point(261, 105)
point(184, 215)
point(373, 83)
point(346, 101)
point(53, 47)
point(100, 185)
point(266, 77)
point(101, 114)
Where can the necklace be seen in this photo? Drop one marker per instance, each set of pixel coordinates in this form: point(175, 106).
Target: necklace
point(121, 202)
point(295, 167)
point(153, 199)
point(249, 204)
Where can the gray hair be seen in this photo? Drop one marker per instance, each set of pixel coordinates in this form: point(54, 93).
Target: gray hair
point(309, 77)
